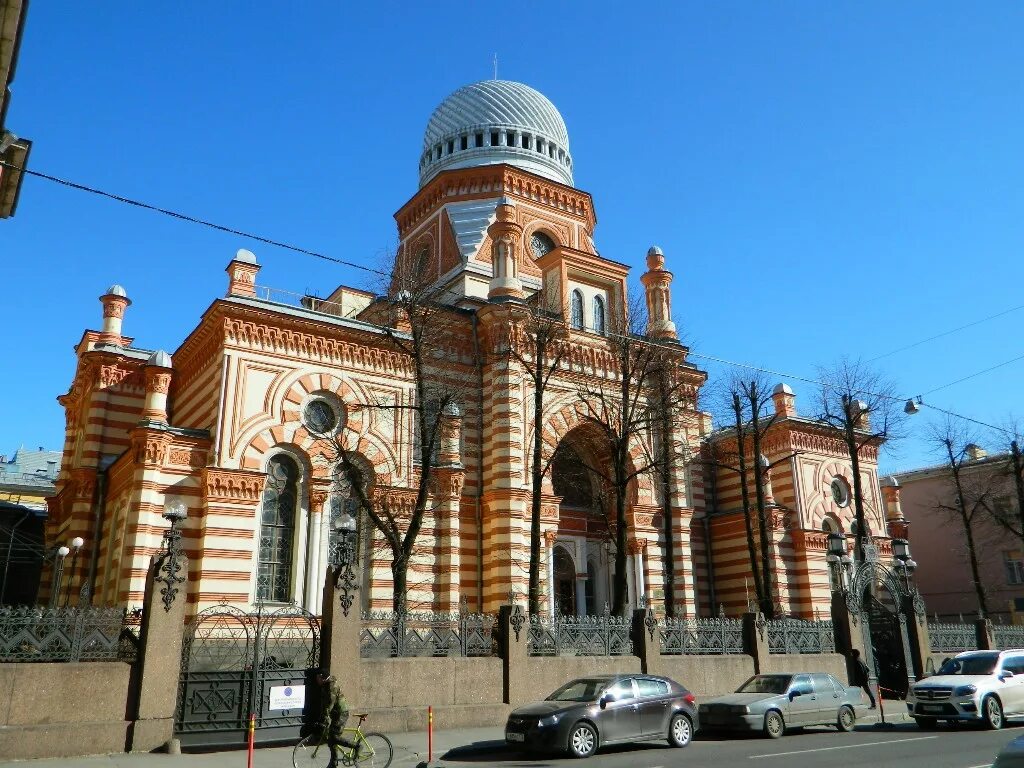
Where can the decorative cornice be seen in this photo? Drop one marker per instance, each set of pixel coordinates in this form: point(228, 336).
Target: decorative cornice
point(493, 181)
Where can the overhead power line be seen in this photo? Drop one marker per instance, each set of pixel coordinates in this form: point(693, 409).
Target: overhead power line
point(946, 333)
point(316, 254)
point(190, 219)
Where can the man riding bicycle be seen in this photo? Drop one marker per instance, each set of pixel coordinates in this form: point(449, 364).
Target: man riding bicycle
point(334, 717)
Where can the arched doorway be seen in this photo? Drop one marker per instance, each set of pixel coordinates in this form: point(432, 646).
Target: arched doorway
point(565, 583)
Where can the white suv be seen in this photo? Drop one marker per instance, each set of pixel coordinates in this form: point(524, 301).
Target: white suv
point(977, 685)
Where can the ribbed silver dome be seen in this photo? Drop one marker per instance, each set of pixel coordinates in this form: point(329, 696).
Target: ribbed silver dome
point(497, 121)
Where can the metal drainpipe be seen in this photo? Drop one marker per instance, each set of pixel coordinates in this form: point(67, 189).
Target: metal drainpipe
point(479, 469)
point(97, 523)
point(708, 548)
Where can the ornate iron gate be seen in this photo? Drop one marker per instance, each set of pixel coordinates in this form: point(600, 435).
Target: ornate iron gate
point(887, 632)
point(234, 664)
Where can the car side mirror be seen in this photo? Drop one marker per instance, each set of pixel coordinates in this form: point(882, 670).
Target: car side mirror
point(604, 700)
point(1005, 674)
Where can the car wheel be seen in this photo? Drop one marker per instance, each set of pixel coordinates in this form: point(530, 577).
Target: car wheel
point(846, 720)
point(582, 740)
point(926, 723)
point(680, 731)
point(992, 711)
point(774, 725)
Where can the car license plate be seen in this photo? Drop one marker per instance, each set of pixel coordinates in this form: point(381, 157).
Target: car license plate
point(932, 708)
point(510, 736)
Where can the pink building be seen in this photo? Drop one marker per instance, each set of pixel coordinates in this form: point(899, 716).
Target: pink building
point(939, 542)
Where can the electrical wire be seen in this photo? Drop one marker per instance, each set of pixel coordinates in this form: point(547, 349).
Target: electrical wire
point(316, 254)
point(946, 333)
point(191, 219)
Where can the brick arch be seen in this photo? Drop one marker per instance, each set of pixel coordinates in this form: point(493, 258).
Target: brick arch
point(355, 434)
point(823, 505)
point(564, 420)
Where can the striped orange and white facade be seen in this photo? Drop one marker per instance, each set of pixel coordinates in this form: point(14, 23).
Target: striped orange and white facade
point(217, 424)
point(808, 494)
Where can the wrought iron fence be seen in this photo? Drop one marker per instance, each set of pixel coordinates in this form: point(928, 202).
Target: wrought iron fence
point(947, 637)
point(701, 637)
point(789, 635)
point(603, 635)
point(386, 634)
point(1008, 635)
point(32, 633)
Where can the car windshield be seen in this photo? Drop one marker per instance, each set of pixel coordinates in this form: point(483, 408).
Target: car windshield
point(766, 684)
point(982, 664)
point(585, 689)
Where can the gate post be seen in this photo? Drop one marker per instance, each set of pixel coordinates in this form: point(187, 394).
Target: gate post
point(513, 639)
point(339, 640)
point(158, 667)
point(917, 634)
point(755, 640)
point(849, 631)
point(646, 638)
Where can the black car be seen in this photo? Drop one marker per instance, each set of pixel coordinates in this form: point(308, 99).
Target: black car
point(590, 712)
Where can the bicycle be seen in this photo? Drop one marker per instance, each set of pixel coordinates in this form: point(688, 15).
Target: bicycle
point(375, 750)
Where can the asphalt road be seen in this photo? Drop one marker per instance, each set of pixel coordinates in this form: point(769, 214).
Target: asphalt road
point(902, 746)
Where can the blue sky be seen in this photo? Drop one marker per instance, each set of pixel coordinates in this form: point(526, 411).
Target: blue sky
point(824, 178)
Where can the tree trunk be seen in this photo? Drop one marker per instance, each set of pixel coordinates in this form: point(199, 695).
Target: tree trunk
point(620, 592)
point(745, 495)
point(399, 576)
point(1018, 481)
point(965, 519)
point(768, 607)
point(858, 493)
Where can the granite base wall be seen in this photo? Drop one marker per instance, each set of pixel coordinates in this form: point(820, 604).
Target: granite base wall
point(707, 675)
point(831, 663)
point(419, 682)
point(60, 710)
point(544, 674)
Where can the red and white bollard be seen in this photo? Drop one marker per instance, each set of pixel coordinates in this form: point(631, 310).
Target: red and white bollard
point(252, 738)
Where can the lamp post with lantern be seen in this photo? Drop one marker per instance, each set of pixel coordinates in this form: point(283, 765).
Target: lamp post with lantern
point(76, 546)
point(344, 573)
point(171, 563)
point(58, 573)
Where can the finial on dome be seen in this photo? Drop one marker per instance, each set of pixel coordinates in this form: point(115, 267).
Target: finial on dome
point(655, 258)
point(116, 290)
point(890, 482)
point(782, 389)
point(245, 256)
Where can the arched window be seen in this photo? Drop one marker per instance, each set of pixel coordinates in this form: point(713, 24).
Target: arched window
point(599, 315)
point(570, 479)
point(277, 530)
point(576, 310)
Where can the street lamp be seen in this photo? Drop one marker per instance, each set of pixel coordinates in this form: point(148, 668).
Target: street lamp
point(58, 573)
point(76, 545)
point(345, 575)
point(169, 564)
point(902, 560)
point(837, 558)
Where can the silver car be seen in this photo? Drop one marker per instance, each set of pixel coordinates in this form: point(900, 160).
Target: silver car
point(772, 703)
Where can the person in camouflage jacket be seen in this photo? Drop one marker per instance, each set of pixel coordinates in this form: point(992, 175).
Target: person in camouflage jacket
point(334, 716)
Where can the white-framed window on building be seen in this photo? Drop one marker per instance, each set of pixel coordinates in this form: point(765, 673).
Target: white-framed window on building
point(599, 321)
point(1014, 564)
point(277, 530)
point(576, 310)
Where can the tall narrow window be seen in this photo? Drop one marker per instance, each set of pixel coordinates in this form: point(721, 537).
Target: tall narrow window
point(599, 315)
point(277, 530)
point(576, 310)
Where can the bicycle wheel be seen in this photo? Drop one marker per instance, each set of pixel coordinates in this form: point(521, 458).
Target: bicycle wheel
point(311, 753)
point(375, 751)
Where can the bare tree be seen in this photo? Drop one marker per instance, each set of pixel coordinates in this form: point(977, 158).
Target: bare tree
point(419, 325)
point(544, 346)
point(972, 492)
point(863, 409)
point(1012, 471)
point(747, 399)
point(626, 412)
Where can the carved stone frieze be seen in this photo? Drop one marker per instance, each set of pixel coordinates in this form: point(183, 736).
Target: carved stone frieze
point(233, 486)
point(150, 447)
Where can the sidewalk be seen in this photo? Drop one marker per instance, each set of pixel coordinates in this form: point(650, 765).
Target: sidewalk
point(410, 748)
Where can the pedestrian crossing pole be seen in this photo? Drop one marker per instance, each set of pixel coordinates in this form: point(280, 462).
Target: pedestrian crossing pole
point(430, 735)
point(252, 738)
